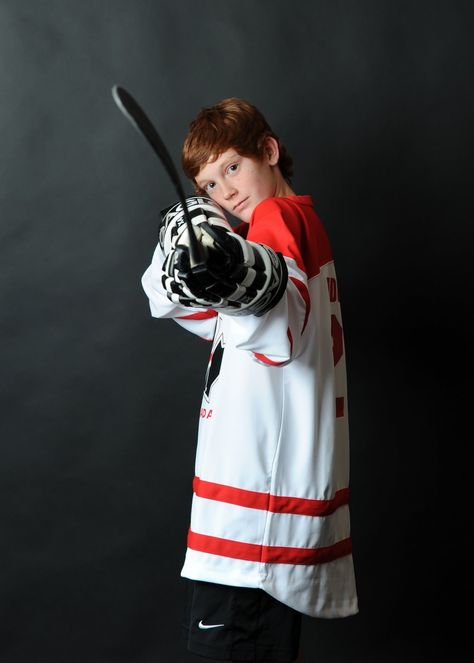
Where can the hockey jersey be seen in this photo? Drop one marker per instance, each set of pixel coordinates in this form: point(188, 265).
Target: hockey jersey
point(271, 486)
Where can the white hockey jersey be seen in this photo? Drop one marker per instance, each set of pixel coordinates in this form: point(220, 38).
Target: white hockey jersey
point(271, 487)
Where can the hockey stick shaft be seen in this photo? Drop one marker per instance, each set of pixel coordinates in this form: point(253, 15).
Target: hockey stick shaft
point(138, 118)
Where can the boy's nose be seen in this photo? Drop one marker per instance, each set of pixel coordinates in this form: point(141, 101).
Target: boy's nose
point(229, 191)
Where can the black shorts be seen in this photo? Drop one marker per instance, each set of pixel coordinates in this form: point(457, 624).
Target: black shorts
point(239, 624)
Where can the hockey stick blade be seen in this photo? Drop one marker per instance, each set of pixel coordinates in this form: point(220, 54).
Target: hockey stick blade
point(136, 115)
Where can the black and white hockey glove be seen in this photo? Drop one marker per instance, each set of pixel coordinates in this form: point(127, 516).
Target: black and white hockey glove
point(173, 229)
point(238, 276)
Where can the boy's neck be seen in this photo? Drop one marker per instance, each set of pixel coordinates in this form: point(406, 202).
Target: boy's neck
point(282, 188)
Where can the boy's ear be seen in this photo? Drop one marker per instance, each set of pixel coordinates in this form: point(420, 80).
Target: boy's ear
point(271, 150)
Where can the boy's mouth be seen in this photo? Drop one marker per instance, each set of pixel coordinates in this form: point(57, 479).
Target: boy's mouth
point(239, 205)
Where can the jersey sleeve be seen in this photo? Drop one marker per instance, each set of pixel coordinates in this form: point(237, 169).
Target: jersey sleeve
point(199, 321)
point(277, 337)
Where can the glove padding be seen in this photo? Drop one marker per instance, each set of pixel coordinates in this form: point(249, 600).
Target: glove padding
point(238, 276)
point(173, 229)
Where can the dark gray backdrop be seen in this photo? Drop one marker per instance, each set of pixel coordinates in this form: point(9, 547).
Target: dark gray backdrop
point(100, 402)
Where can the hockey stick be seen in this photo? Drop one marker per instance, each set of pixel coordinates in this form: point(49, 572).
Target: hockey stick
point(135, 114)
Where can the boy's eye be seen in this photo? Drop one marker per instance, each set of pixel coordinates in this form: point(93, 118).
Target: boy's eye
point(210, 186)
point(233, 167)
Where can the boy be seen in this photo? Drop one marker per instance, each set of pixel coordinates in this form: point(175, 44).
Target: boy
point(270, 534)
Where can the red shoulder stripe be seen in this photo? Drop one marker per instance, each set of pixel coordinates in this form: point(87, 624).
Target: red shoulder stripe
point(294, 230)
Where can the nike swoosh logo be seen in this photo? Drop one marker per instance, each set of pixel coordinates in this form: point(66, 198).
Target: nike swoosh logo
point(201, 625)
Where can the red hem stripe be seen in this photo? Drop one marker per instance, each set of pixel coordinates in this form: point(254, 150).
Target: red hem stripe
point(267, 502)
point(252, 552)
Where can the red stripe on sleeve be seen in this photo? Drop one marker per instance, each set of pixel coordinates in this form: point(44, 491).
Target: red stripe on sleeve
point(290, 338)
point(303, 290)
point(205, 315)
point(268, 361)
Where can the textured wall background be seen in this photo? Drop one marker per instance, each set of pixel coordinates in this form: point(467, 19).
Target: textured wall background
point(99, 402)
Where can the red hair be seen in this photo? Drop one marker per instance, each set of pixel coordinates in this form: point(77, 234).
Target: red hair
point(231, 123)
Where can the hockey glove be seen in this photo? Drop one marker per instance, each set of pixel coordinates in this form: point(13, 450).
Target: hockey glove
point(173, 229)
point(238, 276)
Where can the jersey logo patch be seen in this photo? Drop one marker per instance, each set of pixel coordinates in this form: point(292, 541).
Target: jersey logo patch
point(214, 366)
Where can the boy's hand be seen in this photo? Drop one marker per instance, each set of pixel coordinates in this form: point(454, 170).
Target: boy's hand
point(239, 276)
point(173, 230)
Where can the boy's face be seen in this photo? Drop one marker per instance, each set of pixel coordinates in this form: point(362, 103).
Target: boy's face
point(239, 183)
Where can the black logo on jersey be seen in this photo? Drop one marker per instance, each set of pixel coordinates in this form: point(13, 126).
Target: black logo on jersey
point(214, 366)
